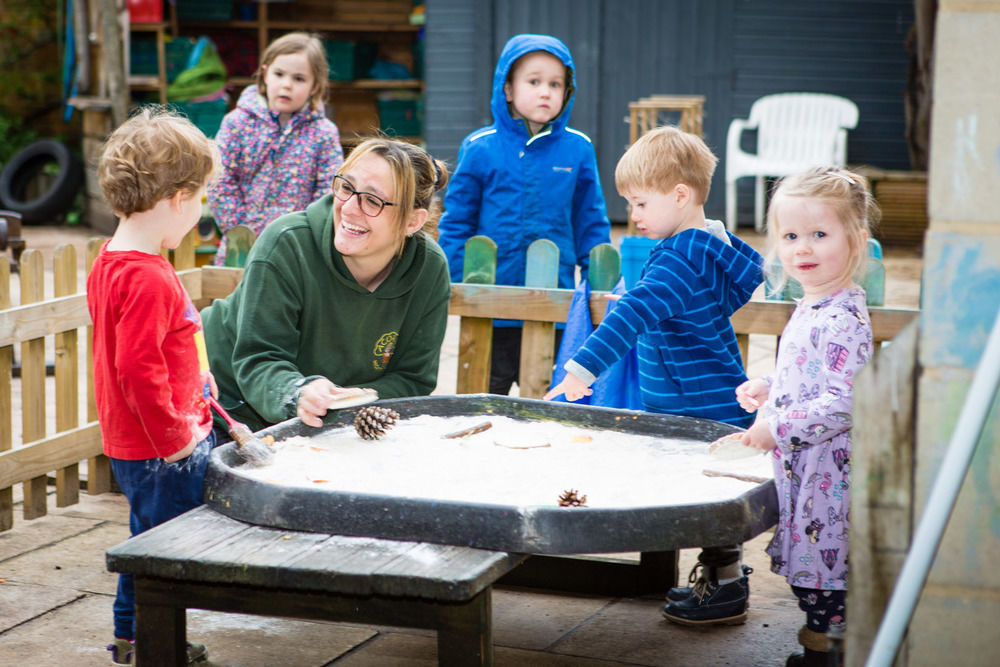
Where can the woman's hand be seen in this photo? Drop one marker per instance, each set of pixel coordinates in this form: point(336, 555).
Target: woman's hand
point(316, 397)
point(759, 436)
point(573, 387)
point(752, 394)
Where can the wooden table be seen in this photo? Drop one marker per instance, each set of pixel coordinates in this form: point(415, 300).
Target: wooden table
point(644, 114)
point(205, 560)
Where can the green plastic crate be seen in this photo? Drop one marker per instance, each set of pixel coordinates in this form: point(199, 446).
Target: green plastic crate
point(340, 57)
point(207, 116)
point(204, 10)
point(401, 118)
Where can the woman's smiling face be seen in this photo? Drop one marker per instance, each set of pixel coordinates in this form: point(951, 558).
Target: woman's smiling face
point(373, 240)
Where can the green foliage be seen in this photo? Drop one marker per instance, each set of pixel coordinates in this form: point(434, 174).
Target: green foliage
point(14, 136)
point(30, 56)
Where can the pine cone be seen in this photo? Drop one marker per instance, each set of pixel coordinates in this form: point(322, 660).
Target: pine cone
point(372, 422)
point(571, 499)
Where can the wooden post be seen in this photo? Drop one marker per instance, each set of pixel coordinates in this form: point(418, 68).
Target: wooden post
point(882, 469)
point(6, 400)
point(33, 380)
point(114, 64)
point(605, 267)
point(98, 467)
point(538, 338)
point(67, 375)
point(475, 337)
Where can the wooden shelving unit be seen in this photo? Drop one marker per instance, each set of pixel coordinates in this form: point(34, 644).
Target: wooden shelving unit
point(351, 104)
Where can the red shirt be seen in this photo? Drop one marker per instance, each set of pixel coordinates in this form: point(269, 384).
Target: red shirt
point(150, 366)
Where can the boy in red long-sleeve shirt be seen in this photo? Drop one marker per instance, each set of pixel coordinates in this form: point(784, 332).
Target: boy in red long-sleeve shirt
point(151, 374)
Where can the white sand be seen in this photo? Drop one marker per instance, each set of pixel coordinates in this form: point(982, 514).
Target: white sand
point(514, 462)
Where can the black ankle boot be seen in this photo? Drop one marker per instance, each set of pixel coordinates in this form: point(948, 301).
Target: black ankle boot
point(712, 604)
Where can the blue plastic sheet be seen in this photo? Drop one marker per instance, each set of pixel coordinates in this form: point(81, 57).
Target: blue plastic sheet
point(618, 386)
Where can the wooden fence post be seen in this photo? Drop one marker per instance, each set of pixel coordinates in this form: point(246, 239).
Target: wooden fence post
point(33, 381)
point(605, 268)
point(239, 240)
point(475, 338)
point(98, 467)
point(6, 399)
point(538, 338)
point(67, 375)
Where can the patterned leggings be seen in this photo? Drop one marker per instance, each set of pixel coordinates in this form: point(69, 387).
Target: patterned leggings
point(823, 608)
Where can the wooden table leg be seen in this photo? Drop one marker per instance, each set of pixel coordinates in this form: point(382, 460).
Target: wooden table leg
point(161, 632)
point(657, 570)
point(465, 632)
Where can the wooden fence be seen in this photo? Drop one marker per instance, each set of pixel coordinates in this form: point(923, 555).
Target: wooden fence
point(31, 458)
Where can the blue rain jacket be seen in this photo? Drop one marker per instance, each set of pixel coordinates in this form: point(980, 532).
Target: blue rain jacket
point(516, 188)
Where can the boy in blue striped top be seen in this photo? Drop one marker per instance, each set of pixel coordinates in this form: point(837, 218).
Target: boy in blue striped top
point(696, 277)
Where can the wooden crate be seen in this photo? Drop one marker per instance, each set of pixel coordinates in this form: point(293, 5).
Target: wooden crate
point(902, 196)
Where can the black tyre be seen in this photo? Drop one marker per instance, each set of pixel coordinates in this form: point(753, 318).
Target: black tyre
point(25, 166)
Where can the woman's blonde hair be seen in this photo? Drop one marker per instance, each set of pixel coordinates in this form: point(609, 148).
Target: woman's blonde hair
point(850, 196)
point(663, 158)
point(152, 156)
point(416, 177)
point(298, 42)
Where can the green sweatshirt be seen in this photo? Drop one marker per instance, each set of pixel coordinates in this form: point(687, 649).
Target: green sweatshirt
point(298, 314)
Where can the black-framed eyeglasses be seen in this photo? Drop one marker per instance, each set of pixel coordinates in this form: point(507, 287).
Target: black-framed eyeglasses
point(371, 205)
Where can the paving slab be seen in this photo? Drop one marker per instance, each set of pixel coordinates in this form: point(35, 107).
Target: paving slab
point(76, 563)
point(19, 603)
point(538, 619)
point(27, 536)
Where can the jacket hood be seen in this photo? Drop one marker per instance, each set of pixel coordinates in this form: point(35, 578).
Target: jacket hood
point(517, 46)
point(255, 104)
point(404, 275)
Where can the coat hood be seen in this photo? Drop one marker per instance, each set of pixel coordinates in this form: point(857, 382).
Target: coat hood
point(517, 46)
point(255, 104)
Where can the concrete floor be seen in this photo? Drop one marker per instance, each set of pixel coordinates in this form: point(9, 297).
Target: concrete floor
point(56, 594)
point(56, 598)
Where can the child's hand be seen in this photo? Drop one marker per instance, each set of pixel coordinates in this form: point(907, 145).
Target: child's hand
point(612, 297)
point(182, 453)
point(752, 394)
point(573, 387)
point(759, 436)
point(212, 386)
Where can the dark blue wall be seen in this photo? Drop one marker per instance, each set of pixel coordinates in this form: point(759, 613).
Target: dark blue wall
point(730, 51)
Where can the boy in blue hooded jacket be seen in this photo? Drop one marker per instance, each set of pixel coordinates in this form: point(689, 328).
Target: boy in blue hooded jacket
point(526, 177)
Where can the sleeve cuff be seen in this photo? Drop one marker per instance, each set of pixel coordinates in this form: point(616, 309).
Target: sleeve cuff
point(579, 371)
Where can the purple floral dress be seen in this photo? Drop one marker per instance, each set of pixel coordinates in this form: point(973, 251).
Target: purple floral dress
point(809, 411)
point(268, 170)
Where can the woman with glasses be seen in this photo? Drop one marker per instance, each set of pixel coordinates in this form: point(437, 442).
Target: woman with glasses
point(350, 292)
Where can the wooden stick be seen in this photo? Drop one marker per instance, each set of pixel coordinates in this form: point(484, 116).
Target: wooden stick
point(500, 444)
point(478, 428)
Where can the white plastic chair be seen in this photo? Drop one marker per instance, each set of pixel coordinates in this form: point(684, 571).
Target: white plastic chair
point(795, 131)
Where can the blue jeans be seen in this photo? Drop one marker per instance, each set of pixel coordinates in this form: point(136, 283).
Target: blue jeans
point(157, 492)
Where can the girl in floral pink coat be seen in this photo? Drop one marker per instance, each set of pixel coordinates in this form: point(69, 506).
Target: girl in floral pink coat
point(279, 150)
point(817, 229)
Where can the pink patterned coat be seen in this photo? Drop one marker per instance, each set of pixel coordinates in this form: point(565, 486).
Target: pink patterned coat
point(809, 410)
point(268, 170)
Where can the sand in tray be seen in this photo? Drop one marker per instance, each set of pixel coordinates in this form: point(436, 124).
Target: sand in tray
point(514, 462)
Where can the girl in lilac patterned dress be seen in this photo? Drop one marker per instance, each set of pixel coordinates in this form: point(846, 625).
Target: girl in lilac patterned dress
point(279, 150)
point(817, 230)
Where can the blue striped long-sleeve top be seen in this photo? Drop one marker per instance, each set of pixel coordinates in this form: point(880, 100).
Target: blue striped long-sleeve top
point(678, 315)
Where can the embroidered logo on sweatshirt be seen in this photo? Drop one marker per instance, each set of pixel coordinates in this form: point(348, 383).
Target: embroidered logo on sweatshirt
point(567, 170)
point(384, 347)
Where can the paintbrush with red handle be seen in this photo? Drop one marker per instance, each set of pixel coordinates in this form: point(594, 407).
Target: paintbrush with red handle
point(250, 447)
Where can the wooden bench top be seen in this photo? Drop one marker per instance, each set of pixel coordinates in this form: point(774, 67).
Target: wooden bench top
point(205, 546)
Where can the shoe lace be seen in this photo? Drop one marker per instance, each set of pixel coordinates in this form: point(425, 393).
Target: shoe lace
point(700, 588)
point(697, 573)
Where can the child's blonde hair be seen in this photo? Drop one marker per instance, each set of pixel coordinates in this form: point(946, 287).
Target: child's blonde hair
point(850, 196)
point(416, 175)
point(152, 156)
point(663, 158)
point(298, 42)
